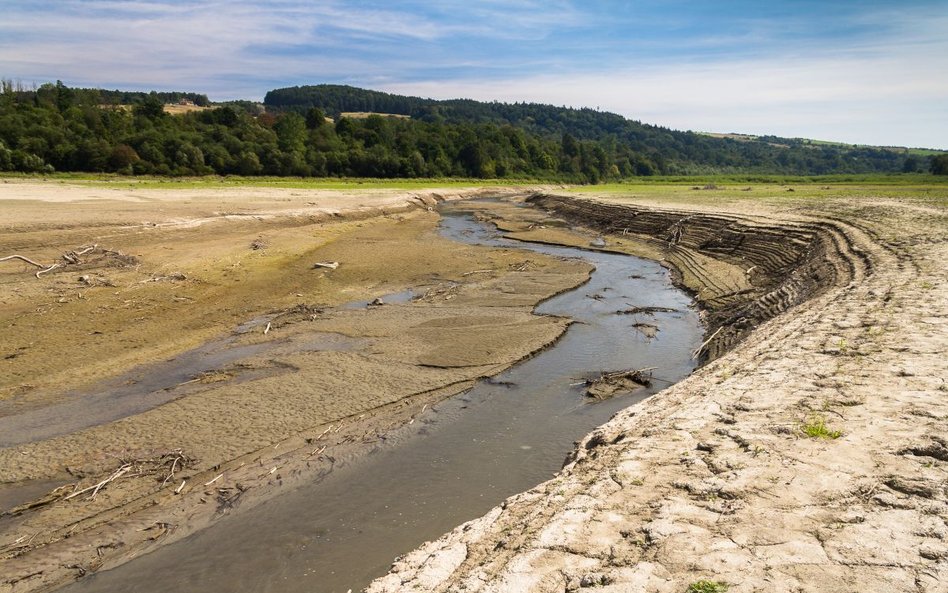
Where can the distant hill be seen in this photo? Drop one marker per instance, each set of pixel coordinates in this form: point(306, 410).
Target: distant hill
point(372, 134)
point(670, 151)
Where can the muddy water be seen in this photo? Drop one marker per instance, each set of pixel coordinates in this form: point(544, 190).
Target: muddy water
point(455, 462)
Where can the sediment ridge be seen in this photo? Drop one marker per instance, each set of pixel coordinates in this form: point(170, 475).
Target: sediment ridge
point(807, 455)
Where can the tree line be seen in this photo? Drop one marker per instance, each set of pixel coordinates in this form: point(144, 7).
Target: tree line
point(58, 128)
point(671, 151)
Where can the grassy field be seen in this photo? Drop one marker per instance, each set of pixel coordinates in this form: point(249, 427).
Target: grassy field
point(929, 189)
point(214, 181)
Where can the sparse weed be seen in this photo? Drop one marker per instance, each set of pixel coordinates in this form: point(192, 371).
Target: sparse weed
point(816, 428)
point(704, 586)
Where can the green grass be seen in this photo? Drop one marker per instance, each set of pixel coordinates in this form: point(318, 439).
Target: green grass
point(704, 586)
point(761, 179)
point(927, 188)
point(816, 428)
point(217, 182)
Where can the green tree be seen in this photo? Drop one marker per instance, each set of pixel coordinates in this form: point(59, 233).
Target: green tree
point(939, 164)
point(123, 156)
point(315, 118)
point(291, 133)
point(151, 107)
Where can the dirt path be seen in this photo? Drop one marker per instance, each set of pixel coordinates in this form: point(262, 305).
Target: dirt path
point(811, 456)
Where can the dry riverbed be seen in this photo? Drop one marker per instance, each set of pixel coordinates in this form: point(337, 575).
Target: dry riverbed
point(87, 486)
point(809, 455)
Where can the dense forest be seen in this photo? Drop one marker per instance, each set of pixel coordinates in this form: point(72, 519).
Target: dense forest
point(671, 151)
point(58, 128)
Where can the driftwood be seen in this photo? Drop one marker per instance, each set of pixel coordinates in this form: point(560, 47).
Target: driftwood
point(704, 344)
point(69, 258)
point(169, 462)
point(22, 258)
point(645, 310)
point(96, 487)
point(332, 265)
point(610, 384)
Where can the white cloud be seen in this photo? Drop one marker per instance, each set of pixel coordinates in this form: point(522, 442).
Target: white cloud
point(884, 89)
point(888, 99)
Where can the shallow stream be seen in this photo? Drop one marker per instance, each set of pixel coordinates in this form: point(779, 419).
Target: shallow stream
point(456, 461)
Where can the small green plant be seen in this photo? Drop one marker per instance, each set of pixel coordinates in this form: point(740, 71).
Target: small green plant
point(816, 428)
point(704, 586)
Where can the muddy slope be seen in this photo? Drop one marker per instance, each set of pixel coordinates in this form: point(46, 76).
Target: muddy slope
point(809, 457)
point(784, 263)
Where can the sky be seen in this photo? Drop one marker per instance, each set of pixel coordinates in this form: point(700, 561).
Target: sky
point(856, 71)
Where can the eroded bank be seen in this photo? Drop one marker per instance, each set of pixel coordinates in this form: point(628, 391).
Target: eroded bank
point(808, 457)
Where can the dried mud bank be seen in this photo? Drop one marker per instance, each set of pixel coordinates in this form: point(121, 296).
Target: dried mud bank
point(810, 456)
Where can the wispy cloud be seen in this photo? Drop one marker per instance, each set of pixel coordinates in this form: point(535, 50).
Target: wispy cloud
point(863, 71)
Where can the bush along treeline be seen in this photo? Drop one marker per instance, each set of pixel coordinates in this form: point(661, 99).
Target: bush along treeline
point(57, 128)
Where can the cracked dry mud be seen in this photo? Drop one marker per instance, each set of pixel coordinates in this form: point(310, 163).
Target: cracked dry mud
point(717, 478)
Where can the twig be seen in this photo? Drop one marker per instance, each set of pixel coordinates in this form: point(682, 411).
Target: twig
point(214, 480)
point(178, 491)
point(22, 258)
point(95, 488)
point(49, 269)
point(174, 464)
point(267, 329)
point(705, 343)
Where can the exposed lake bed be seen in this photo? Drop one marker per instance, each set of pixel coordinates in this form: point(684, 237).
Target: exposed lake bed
point(747, 263)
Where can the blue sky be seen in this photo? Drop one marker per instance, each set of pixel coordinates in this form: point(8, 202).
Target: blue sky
point(855, 71)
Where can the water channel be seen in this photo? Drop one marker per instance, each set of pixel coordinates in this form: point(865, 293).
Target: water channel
point(461, 458)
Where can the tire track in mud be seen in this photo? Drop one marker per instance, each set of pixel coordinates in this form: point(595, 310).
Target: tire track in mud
point(786, 263)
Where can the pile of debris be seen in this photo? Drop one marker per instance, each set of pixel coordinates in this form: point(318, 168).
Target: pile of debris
point(609, 385)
